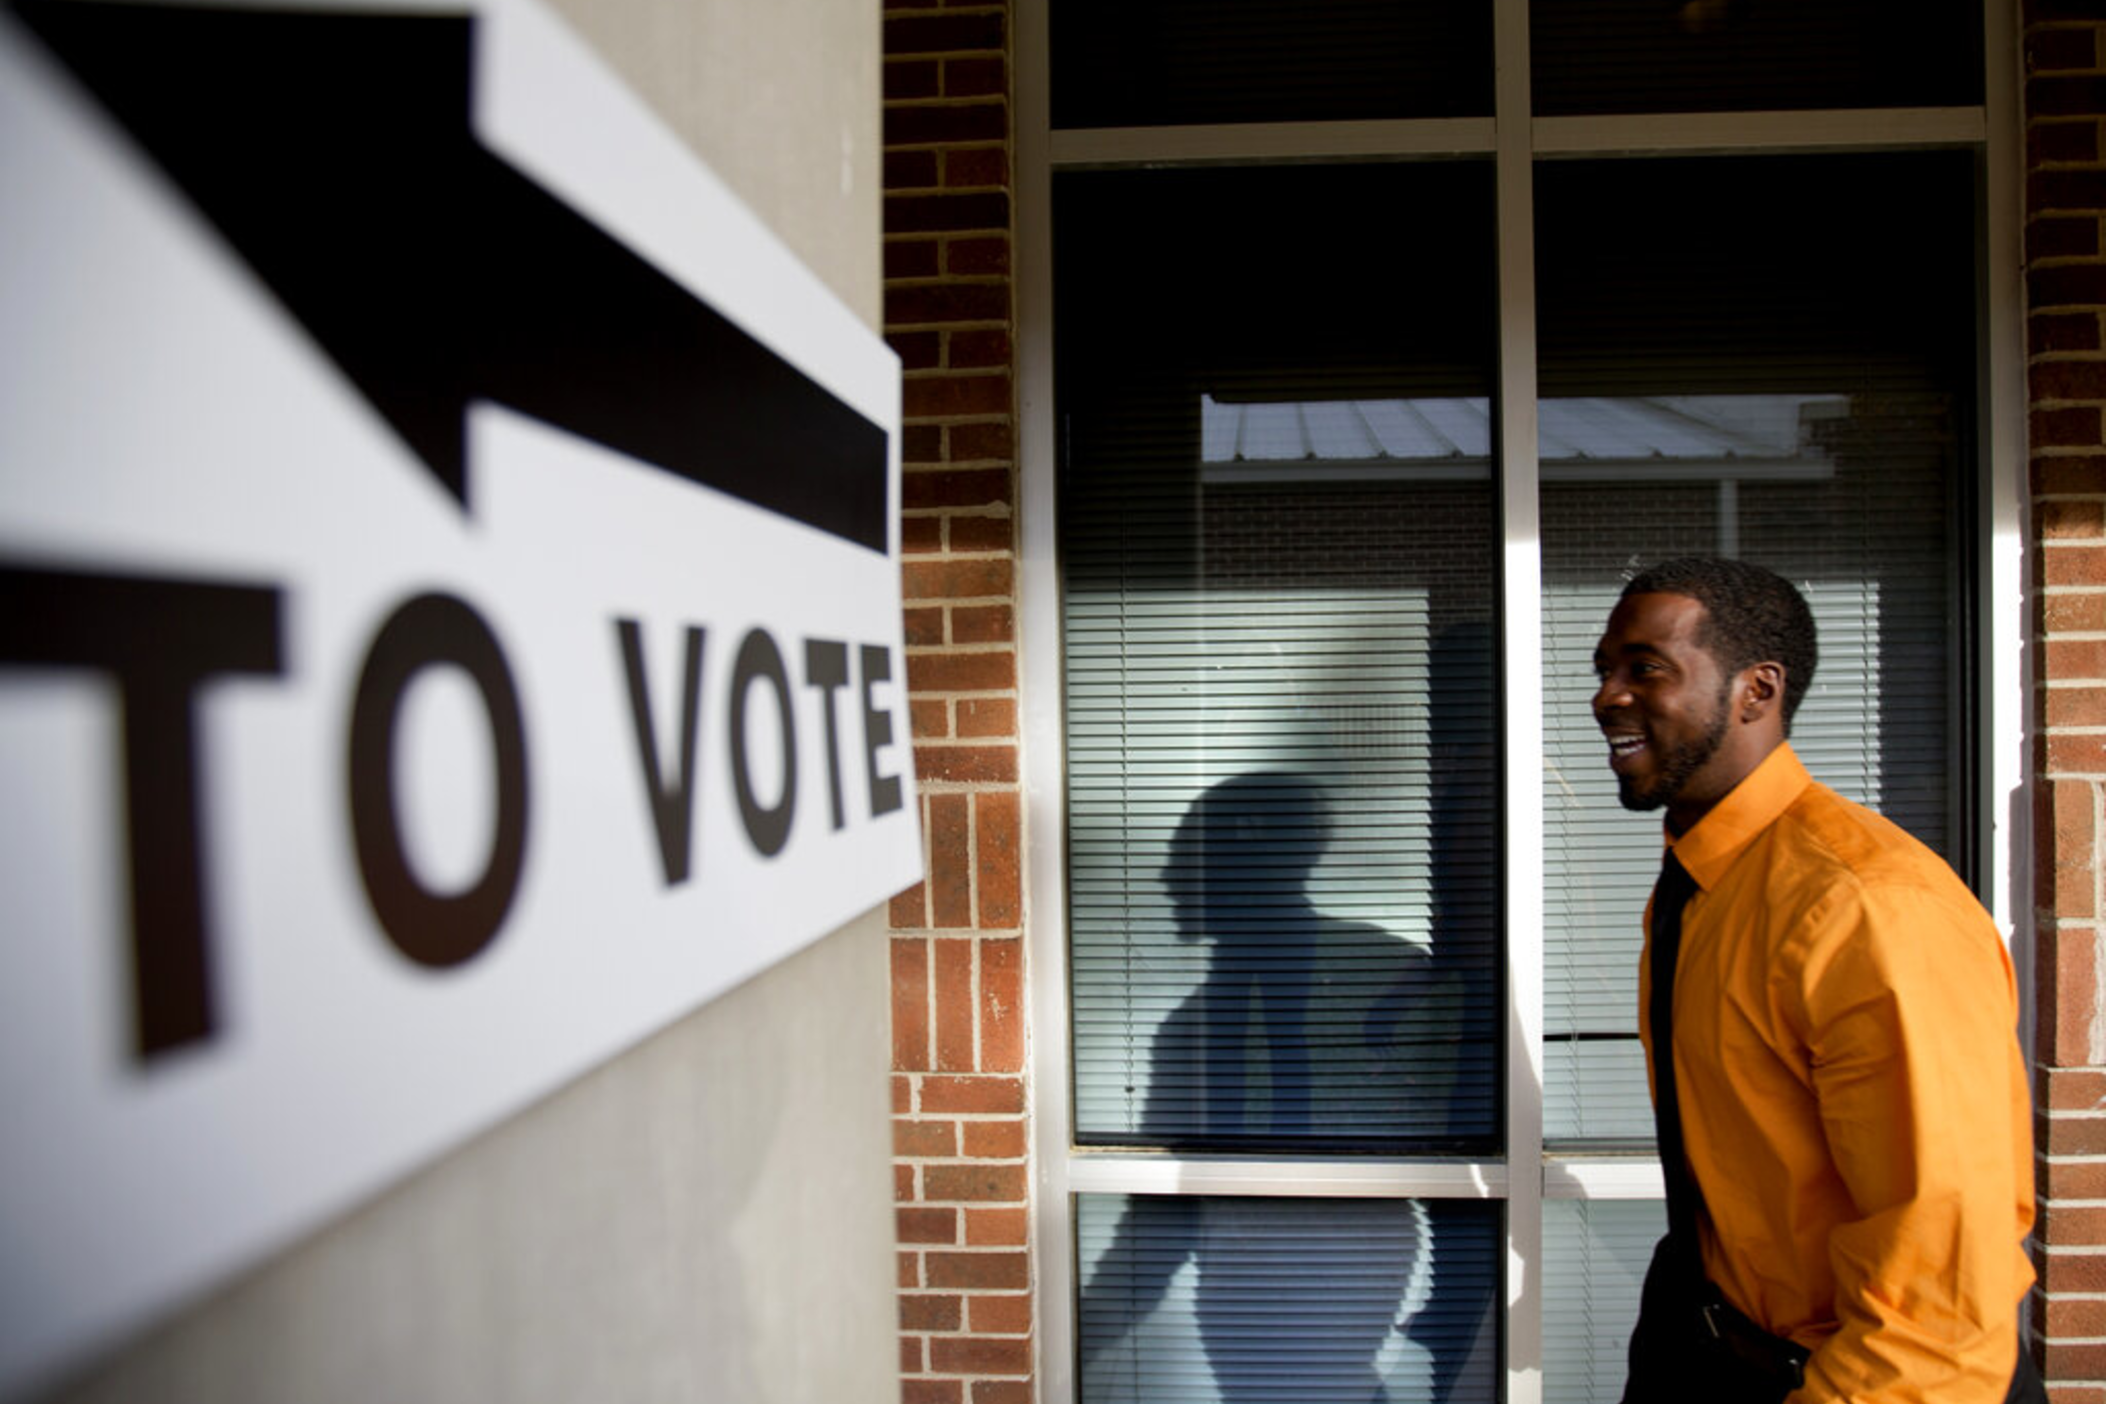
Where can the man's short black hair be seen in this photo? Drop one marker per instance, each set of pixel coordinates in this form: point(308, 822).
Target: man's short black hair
point(1753, 616)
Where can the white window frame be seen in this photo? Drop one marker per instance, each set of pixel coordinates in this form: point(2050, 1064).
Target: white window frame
point(1514, 140)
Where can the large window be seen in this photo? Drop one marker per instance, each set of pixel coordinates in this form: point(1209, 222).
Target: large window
point(1283, 911)
point(1361, 411)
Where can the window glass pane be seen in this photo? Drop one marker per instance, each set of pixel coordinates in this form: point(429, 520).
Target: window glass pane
point(1765, 358)
point(1135, 63)
point(1278, 565)
point(1594, 1259)
point(1603, 56)
point(1287, 1301)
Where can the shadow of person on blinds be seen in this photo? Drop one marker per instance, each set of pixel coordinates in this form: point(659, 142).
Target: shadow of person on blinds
point(1307, 1033)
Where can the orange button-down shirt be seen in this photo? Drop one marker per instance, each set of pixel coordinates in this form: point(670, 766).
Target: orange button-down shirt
point(1853, 1102)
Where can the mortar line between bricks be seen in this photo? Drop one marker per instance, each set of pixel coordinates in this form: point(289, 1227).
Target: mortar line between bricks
point(979, 953)
point(928, 984)
point(962, 1116)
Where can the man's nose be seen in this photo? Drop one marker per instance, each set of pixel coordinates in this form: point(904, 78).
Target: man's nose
point(1612, 692)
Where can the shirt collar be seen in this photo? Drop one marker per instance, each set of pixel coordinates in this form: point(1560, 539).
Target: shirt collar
point(1710, 847)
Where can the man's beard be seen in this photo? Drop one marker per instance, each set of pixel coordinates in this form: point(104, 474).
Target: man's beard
point(1677, 765)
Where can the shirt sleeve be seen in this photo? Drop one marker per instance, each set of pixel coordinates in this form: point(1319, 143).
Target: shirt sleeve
point(1910, 1011)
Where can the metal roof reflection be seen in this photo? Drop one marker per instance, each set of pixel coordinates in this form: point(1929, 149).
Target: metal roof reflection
point(1660, 438)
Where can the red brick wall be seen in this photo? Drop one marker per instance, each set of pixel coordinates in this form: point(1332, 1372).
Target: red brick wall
point(958, 995)
point(2065, 98)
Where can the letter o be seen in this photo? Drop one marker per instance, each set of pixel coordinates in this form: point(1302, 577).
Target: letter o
point(433, 928)
point(759, 659)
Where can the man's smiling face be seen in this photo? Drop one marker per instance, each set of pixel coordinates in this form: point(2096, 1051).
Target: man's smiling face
point(1665, 706)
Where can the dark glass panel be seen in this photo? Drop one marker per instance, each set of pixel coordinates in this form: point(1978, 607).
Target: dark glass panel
point(1590, 57)
point(1139, 63)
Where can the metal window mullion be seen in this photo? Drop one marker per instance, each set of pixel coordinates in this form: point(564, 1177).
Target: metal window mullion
point(2001, 589)
point(1334, 1178)
point(1724, 133)
point(1041, 698)
point(1521, 802)
point(1623, 134)
point(1256, 143)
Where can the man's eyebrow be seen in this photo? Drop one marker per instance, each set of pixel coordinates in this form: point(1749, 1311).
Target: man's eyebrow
point(1634, 648)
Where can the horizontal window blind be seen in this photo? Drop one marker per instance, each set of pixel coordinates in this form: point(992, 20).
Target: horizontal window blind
point(1276, 934)
point(1287, 1301)
point(1595, 1254)
point(1827, 406)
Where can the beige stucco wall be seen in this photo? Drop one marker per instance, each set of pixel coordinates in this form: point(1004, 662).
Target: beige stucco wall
point(707, 1217)
point(780, 97)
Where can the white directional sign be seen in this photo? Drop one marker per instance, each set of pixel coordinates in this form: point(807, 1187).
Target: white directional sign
point(449, 617)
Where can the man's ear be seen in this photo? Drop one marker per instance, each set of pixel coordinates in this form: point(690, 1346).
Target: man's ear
point(1762, 691)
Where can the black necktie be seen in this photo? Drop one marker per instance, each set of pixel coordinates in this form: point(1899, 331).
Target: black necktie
point(1670, 895)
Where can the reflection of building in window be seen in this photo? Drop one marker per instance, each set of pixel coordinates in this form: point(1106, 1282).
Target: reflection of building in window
point(1725, 440)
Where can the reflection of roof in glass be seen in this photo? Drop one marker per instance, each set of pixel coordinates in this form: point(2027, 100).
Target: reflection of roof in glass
point(1666, 436)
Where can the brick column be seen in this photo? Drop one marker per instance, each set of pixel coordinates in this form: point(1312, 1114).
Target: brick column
point(959, 1093)
point(2065, 97)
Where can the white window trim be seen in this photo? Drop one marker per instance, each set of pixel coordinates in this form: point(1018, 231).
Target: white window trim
point(1518, 482)
point(1514, 143)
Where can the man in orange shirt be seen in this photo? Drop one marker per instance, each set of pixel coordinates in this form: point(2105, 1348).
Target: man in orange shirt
point(1854, 1185)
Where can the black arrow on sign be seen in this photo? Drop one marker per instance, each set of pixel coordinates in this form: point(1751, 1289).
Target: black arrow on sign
point(334, 152)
